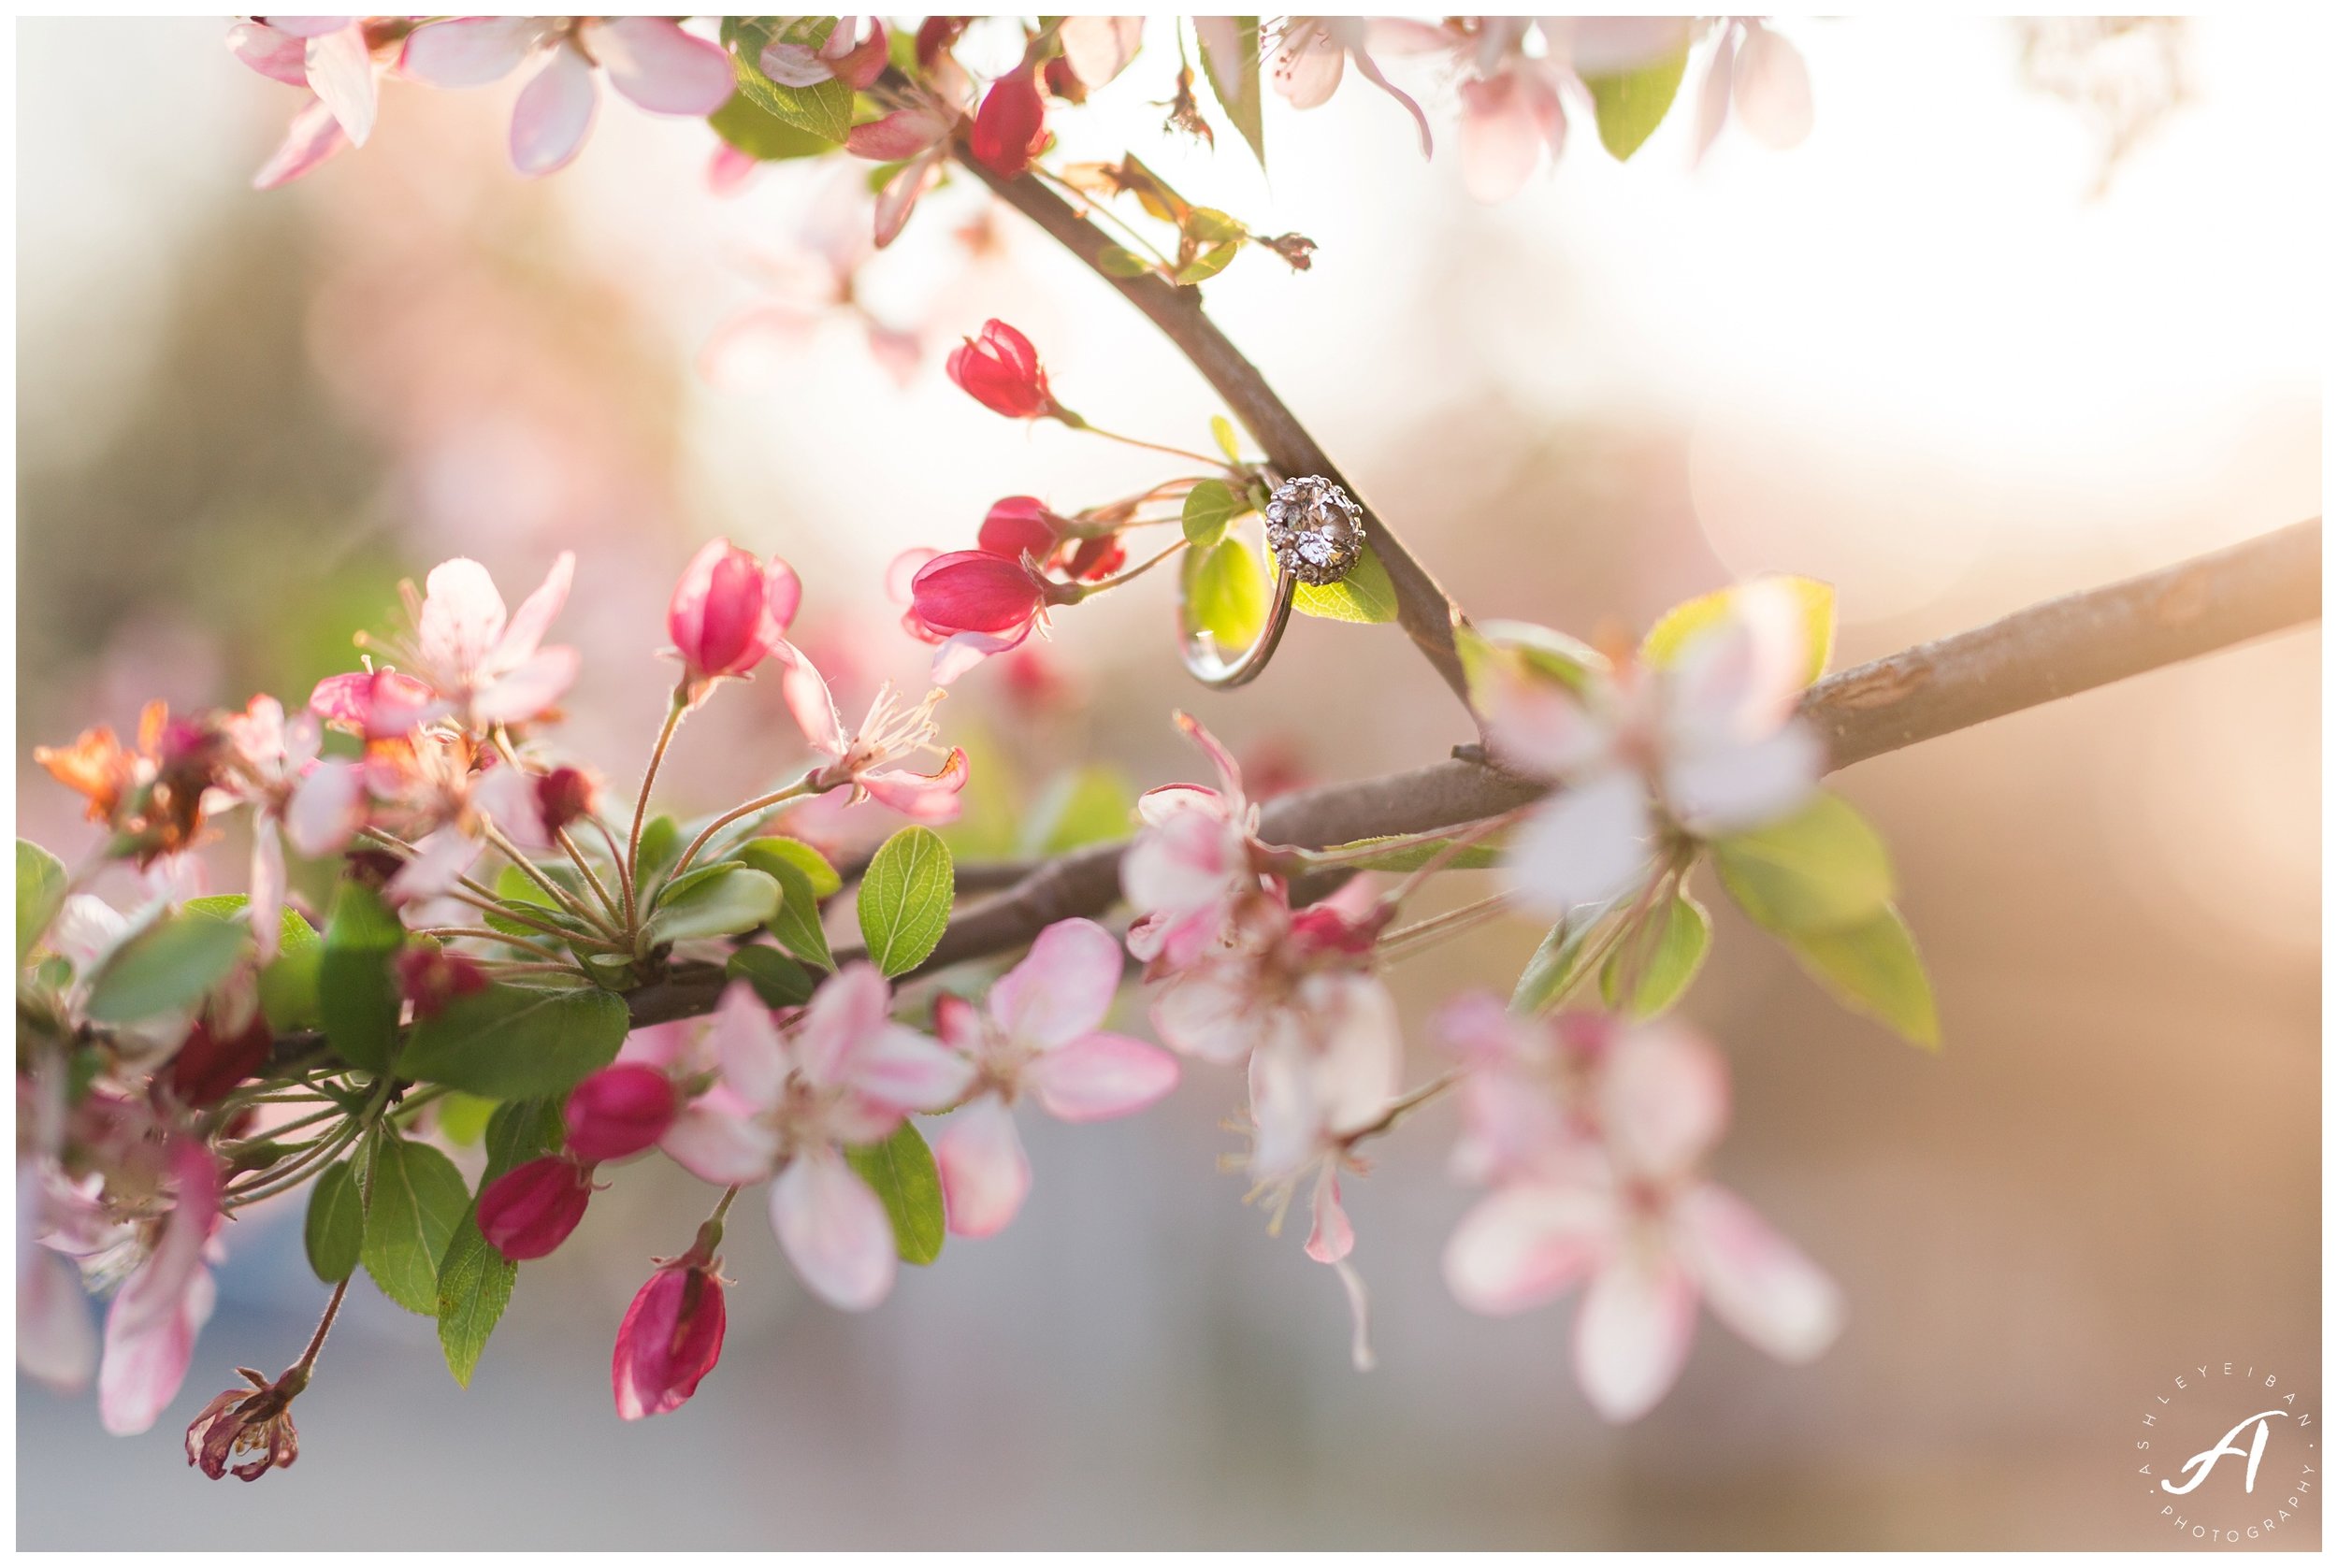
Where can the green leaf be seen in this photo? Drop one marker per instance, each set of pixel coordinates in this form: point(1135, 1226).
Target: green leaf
point(1820, 869)
point(516, 1043)
point(778, 978)
point(1221, 431)
point(336, 1230)
point(1873, 968)
point(1562, 963)
point(662, 846)
point(825, 111)
point(1364, 596)
point(413, 1204)
point(762, 853)
point(1210, 226)
point(1677, 626)
point(170, 965)
point(1229, 59)
point(1631, 104)
point(40, 889)
point(728, 899)
point(1409, 856)
point(798, 923)
point(288, 985)
point(905, 899)
point(1118, 261)
point(1668, 952)
point(1209, 507)
point(901, 1171)
point(463, 1117)
point(474, 1280)
point(759, 134)
point(1209, 263)
point(1226, 593)
point(357, 996)
point(1087, 805)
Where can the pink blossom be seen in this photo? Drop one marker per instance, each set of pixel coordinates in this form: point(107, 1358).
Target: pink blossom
point(318, 805)
point(55, 1340)
point(530, 1209)
point(815, 279)
point(1762, 76)
point(1313, 55)
point(619, 1111)
point(1708, 743)
point(1038, 1032)
point(1607, 1194)
point(648, 60)
point(864, 759)
point(1099, 48)
point(728, 613)
point(844, 1075)
point(1001, 370)
point(328, 57)
point(151, 1326)
point(670, 1339)
point(1191, 859)
point(1010, 128)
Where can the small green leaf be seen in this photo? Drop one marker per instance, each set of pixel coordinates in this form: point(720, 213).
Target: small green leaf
point(336, 1232)
point(1221, 431)
point(760, 853)
point(516, 1043)
point(474, 1280)
point(1364, 596)
point(1209, 507)
point(1668, 955)
point(1562, 963)
point(662, 846)
point(357, 996)
point(901, 1171)
point(1630, 105)
point(1873, 968)
point(824, 109)
point(288, 985)
point(1118, 261)
point(170, 965)
point(1211, 227)
point(1677, 626)
point(905, 899)
point(1229, 59)
point(1820, 869)
point(798, 923)
point(1087, 805)
point(759, 134)
point(1209, 263)
point(40, 889)
point(463, 1117)
point(1226, 593)
point(413, 1204)
point(732, 899)
point(778, 978)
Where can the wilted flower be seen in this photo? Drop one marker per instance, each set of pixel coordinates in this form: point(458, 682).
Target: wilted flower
point(672, 1337)
point(649, 59)
point(1038, 1031)
point(256, 1421)
point(153, 797)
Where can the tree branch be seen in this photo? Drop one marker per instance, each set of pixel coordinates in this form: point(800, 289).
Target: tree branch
point(1423, 608)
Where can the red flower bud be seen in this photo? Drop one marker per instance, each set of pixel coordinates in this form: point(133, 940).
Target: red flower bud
point(935, 35)
point(209, 1064)
point(1001, 370)
point(530, 1209)
point(1097, 558)
point(729, 610)
point(1011, 126)
point(672, 1337)
point(431, 977)
point(1020, 525)
point(619, 1111)
point(973, 590)
point(564, 795)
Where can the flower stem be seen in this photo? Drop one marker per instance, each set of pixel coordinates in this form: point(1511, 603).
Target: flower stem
point(1437, 927)
point(632, 862)
point(1218, 463)
point(560, 895)
point(760, 803)
point(1133, 573)
point(316, 1342)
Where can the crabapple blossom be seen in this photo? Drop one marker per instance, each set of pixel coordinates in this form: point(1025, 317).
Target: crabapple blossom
point(728, 613)
point(1099, 48)
point(648, 60)
point(490, 668)
point(530, 1209)
point(1705, 743)
point(1314, 54)
point(1601, 1187)
point(844, 1074)
point(1038, 1033)
point(619, 1112)
point(812, 280)
point(1001, 370)
point(326, 54)
point(1195, 855)
point(164, 1304)
point(863, 759)
point(670, 1339)
point(256, 1420)
point(1761, 75)
point(1010, 128)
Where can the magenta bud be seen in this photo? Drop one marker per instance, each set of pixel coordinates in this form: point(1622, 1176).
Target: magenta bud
point(528, 1211)
point(672, 1337)
point(619, 1111)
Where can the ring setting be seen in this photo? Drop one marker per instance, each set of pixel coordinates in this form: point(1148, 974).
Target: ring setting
point(1315, 532)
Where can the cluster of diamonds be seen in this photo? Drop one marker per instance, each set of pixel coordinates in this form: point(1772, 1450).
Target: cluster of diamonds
point(1314, 530)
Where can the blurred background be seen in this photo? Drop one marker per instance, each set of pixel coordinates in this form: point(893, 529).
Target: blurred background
point(2017, 318)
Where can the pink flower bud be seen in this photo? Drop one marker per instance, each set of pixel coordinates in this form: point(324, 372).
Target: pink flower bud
point(564, 795)
point(528, 1211)
point(672, 1337)
point(619, 1111)
point(973, 590)
point(1020, 525)
point(430, 978)
point(1001, 370)
point(1011, 127)
point(729, 610)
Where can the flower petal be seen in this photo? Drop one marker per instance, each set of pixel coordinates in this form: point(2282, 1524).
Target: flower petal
point(717, 1141)
point(900, 1070)
point(525, 692)
point(662, 68)
point(266, 911)
point(1062, 988)
point(849, 1005)
point(1732, 788)
point(1755, 1280)
point(814, 708)
point(1664, 1099)
point(341, 74)
point(555, 113)
point(312, 136)
point(462, 618)
point(834, 1230)
point(1101, 1076)
point(535, 615)
point(1632, 1333)
point(1772, 89)
point(468, 51)
point(1584, 846)
point(1333, 1237)
point(984, 1171)
point(326, 808)
point(747, 1043)
point(1524, 1247)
